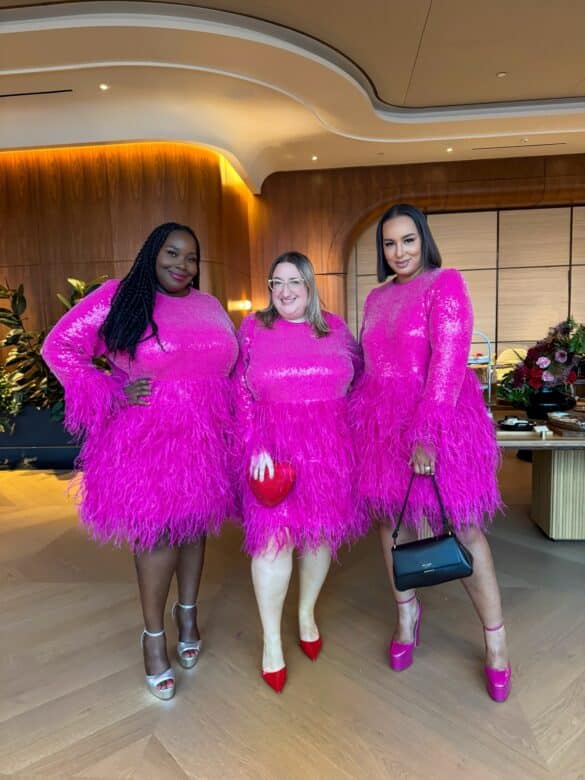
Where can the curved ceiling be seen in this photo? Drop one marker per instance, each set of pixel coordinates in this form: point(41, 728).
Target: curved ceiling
point(272, 86)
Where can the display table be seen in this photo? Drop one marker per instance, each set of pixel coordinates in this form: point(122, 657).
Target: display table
point(558, 481)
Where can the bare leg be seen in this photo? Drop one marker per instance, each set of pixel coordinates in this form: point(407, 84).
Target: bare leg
point(271, 572)
point(313, 568)
point(484, 592)
point(155, 569)
point(407, 612)
point(189, 569)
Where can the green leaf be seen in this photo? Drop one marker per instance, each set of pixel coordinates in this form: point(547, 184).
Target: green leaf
point(77, 285)
point(18, 302)
point(9, 340)
point(65, 301)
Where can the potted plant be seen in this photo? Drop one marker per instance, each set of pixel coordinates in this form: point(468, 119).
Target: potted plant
point(543, 381)
point(31, 398)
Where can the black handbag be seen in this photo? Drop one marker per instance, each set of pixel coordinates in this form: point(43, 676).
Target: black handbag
point(429, 561)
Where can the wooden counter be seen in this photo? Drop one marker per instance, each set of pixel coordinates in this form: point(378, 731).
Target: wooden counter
point(558, 481)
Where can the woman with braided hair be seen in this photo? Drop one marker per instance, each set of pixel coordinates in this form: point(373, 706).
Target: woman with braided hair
point(154, 455)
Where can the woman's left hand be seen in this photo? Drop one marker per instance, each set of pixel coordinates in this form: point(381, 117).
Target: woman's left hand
point(422, 461)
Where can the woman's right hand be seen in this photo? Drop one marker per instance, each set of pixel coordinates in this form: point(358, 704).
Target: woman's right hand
point(258, 465)
point(138, 392)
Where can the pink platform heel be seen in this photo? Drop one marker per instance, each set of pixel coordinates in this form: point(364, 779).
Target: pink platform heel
point(401, 654)
point(498, 682)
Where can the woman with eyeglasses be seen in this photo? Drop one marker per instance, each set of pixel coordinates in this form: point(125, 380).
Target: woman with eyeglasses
point(297, 365)
point(156, 467)
point(419, 410)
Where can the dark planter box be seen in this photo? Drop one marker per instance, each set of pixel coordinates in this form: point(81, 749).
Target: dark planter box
point(37, 442)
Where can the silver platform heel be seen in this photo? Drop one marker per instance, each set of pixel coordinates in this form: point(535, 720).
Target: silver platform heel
point(194, 648)
point(154, 680)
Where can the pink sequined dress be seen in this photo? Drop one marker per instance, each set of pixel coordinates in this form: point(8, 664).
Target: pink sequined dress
point(291, 397)
point(160, 470)
point(417, 388)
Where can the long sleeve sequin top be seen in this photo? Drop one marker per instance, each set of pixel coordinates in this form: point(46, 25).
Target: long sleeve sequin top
point(417, 390)
point(146, 467)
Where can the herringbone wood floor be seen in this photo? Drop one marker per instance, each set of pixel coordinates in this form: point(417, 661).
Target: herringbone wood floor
point(73, 703)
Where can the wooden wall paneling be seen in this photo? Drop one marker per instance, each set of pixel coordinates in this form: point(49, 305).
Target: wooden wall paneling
point(478, 185)
point(310, 240)
point(206, 209)
point(527, 169)
point(466, 239)
point(578, 235)
point(294, 225)
point(236, 203)
point(258, 219)
point(531, 300)
point(19, 238)
point(184, 177)
point(565, 178)
point(534, 237)
point(578, 293)
point(351, 293)
point(332, 291)
point(73, 213)
point(339, 194)
point(156, 183)
point(86, 211)
point(212, 279)
point(425, 186)
point(367, 257)
point(237, 286)
point(135, 196)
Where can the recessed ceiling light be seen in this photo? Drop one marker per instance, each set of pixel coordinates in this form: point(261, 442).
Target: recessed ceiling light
point(104, 87)
point(449, 149)
point(502, 74)
point(314, 157)
point(525, 140)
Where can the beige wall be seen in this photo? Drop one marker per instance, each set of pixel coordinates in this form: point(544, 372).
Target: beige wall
point(525, 268)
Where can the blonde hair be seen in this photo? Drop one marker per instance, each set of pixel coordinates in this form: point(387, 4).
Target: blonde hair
point(301, 262)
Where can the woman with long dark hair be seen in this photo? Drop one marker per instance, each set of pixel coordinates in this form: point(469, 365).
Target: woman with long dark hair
point(154, 458)
point(296, 368)
point(420, 409)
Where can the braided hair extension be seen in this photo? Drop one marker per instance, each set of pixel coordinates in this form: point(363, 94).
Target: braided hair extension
point(133, 303)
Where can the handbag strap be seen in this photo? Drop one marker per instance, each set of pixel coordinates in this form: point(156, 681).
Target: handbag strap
point(445, 520)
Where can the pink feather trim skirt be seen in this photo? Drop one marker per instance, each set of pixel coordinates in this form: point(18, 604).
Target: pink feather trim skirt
point(462, 437)
point(162, 471)
point(322, 507)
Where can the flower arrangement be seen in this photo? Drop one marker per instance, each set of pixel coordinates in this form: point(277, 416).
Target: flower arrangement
point(550, 363)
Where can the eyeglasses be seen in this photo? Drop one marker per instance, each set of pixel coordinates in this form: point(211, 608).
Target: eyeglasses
point(276, 285)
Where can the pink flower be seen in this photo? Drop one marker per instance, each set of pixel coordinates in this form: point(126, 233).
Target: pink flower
point(547, 376)
point(561, 356)
point(543, 362)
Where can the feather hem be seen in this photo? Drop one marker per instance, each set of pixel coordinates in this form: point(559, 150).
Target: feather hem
point(323, 506)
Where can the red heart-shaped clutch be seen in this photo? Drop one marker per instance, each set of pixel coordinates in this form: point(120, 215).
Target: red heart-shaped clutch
point(271, 492)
